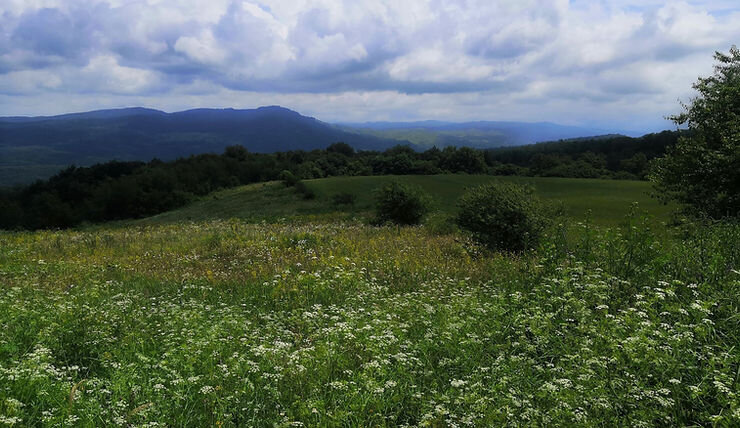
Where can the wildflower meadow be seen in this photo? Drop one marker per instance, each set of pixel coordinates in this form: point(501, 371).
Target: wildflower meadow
point(229, 323)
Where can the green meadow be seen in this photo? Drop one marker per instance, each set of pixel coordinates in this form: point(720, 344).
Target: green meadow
point(608, 201)
point(255, 307)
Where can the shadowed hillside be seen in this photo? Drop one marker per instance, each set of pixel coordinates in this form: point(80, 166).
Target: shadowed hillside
point(36, 147)
point(479, 134)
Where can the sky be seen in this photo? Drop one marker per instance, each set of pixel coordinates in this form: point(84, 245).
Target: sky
point(613, 64)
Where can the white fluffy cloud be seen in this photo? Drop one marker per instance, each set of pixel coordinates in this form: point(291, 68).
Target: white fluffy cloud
point(624, 62)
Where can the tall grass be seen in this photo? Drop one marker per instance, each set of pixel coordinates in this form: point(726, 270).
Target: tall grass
point(226, 323)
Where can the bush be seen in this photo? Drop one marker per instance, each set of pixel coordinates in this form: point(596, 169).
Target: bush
point(304, 190)
point(288, 178)
point(441, 223)
point(401, 204)
point(344, 198)
point(502, 216)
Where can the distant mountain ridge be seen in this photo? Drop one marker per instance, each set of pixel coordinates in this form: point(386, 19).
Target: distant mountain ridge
point(95, 114)
point(478, 134)
point(36, 147)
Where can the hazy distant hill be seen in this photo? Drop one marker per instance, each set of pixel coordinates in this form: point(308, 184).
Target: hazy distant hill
point(36, 147)
point(483, 134)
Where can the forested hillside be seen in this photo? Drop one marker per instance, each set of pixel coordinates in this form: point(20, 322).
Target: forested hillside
point(613, 157)
point(37, 147)
point(121, 190)
point(34, 148)
point(479, 134)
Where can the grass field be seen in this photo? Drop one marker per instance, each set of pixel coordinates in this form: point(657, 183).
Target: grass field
point(309, 322)
point(608, 200)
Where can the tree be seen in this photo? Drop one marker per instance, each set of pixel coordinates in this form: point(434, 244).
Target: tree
point(236, 152)
point(463, 159)
point(11, 213)
point(342, 148)
point(288, 178)
point(401, 204)
point(702, 171)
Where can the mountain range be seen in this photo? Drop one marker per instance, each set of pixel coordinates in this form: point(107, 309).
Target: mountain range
point(479, 134)
point(36, 147)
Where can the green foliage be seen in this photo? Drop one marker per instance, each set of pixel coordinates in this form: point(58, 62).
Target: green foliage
point(341, 148)
point(305, 191)
point(702, 171)
point(236, 152)
point(11, 213)
point(229, 324)
point(37, 148)
point(463, 159)
point(599, 157)
point(401, 204)
point(502, 216)
point(129, 190)
point(609, 200)
point(288, 178)
point(344, 198)
point(441, 223)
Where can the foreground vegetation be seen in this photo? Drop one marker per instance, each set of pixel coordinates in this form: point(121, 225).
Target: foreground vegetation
point(227, 323)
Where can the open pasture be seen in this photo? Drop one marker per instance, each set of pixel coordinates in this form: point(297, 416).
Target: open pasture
point(607, 200)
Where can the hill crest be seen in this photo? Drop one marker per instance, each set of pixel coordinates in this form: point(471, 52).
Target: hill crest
point(35, 147)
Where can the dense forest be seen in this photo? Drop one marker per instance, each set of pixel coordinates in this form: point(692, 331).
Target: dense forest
point(121, 190)
point(617, 157)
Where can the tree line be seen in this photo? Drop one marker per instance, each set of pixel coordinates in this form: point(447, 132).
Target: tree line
point(124, 190)
point(617, 157)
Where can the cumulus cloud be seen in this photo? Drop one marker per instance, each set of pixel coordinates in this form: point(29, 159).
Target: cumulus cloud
point(457, 59)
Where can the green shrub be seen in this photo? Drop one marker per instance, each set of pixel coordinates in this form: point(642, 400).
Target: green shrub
point(304, 190)
point(344, 198)
point(502, 216)
point(441, 223)
point(401, 204)
point(288, 178)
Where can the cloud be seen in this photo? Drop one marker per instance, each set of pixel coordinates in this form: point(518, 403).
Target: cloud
point(204, 48)
point(513, 29)
point(479, 59)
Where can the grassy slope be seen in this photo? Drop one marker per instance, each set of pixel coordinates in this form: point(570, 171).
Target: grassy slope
point(230, 324)
point(609, 200)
